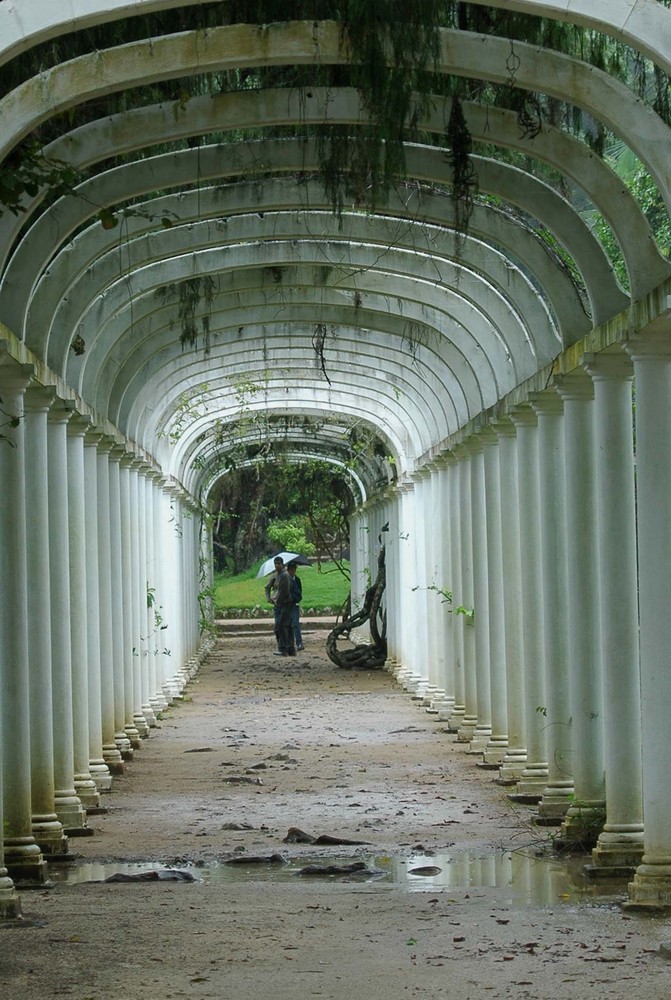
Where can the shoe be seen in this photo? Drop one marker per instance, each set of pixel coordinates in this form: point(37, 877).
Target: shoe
point(292, 652)
point(298, 648)
point(278, 652)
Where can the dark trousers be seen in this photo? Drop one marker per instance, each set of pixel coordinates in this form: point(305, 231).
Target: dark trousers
point(285, 628)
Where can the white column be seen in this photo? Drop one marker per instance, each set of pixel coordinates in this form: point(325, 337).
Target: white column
point(465, 606)
point(22, 856)
point(392, 591)
point(495, 750)
point(651, 353)
point(121, 739)
point(586, 815)
point(409, 674)
point(98, 768)
point(127, 598)
point(444, 697)
point(620, 844)
point(419, 682)
point(534, 776)
point(106, 608)
point(515, 757)
point(161, 622)
point(68, 804)
point(482, 733)
point(558, 790)
point(85, 786)
point(47, 828)
point(157, 699)
point(138, 597)
point(454, 475)
point(432, 536)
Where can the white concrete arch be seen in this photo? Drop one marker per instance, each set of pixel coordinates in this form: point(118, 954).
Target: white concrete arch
point(645, 265)
point(210, 476)
point(86, 319)
point(56, 298)
point(206, 465)
point(340, 400)
point(232, 47)
point(505, 181)
point(446, 358)
point(120, 133)
point(412, 397)
point(477, 355)
point(638, 23)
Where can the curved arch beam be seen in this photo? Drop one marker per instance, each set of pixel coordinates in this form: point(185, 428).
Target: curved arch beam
point(68, 288)
point(645, 265)
point(516, 186)
point(300, 43)
point(638, 23)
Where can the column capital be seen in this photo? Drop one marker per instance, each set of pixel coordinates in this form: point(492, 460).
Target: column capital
point(14, 377)
point(488, 436)
point(577, 385)
point(60, 412)
point(39, 398)
point(94, 437)
point(524, 415)
point(79, 424)
point(504, 427)
point(548, 402)
point(607, 365)
point(649, 344)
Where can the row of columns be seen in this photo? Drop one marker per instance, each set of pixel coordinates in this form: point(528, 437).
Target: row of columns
point(99, 627)
point(529, 588)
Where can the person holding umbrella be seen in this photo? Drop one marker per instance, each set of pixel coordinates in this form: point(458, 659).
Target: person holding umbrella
point(284, 603)
point(270, 590)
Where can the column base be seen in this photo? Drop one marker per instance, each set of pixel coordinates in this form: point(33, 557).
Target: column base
point(141, 724)
point(480, 739)
point(49, 835)
point(582, 824)
point(148, 713)
point(112, 757)
point(87, 791)
point(650, 889)
point(68, 808)
point(495, 751)
point(617, 852)
point(455, 718)
point(133, 736)
point(533, 781)
point(466, 728)
point(513, 765)
point(555, 802)
point(10, 904)
point(24, 861)
point(100, 773)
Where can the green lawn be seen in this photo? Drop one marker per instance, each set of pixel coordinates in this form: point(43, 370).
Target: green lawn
point(324, 588)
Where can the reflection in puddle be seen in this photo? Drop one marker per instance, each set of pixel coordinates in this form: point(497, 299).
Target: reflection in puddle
point(513, 876)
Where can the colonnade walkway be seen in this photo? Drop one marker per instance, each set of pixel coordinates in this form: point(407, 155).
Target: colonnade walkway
point(258, 745)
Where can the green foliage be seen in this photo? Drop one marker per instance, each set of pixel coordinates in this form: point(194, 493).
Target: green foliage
point(247, 501)
point(291, 535)
point(27, 171)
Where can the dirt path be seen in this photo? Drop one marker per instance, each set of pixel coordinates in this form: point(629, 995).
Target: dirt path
point(331, 753)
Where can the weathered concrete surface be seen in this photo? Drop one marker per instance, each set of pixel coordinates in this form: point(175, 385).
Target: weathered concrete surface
point(364, 762)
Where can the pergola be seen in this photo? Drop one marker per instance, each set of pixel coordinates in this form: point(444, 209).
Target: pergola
point(528, 583)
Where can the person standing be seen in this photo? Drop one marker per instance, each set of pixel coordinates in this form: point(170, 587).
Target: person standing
point(285, 614)
point(297, 597)
point(270, 590)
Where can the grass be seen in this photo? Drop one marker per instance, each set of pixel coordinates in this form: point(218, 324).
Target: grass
point(324, 589)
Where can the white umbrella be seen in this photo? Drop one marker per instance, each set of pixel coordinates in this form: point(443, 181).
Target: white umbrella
point(269, 565)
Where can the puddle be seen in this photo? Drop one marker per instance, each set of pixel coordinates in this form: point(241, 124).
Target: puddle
point(514, 877)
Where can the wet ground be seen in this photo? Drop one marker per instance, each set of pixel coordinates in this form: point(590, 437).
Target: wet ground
point(448, 890)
